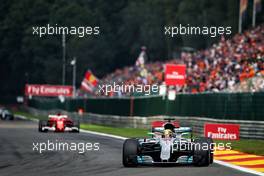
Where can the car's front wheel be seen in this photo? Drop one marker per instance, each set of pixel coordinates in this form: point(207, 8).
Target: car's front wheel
point(41, 125)
point(130, 152)
point(202, 153)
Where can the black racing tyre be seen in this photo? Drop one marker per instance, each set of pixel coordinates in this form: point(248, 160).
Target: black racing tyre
point(77, 125)
point(11, 117)
point(42, 123)
point(201, 155)
point(130, 152)
point(3, 117)
point(211, 144)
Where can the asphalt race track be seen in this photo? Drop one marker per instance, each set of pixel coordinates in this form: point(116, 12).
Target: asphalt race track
point(18, 158)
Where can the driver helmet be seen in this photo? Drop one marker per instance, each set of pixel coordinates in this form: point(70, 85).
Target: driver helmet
point(167, 133)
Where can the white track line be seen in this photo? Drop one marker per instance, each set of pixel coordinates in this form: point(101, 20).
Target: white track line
point(215, 161)
point(21, 117)
point(25, 118)
point(239, 168)
point(123, 138)
point(103, 134)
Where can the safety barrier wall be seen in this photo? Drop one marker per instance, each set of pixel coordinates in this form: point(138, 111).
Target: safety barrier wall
point(237, 106)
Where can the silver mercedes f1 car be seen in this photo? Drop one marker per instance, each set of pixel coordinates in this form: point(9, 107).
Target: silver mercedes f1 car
point(169, 144)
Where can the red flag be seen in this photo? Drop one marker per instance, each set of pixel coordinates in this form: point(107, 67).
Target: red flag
point(91, 78)
point(89, 82)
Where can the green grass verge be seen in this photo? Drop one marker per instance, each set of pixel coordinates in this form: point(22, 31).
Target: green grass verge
point(252, 146)
point(30, 116)
point(124, 132)
point(244, 145)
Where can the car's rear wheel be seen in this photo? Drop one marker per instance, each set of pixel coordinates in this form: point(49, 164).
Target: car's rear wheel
point(130, 152)
point(201, 156)
point(76, 124)
point(211, 143)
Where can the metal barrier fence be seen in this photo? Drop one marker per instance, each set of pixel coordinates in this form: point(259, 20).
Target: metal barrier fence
point(236, 106)
point(248, 129)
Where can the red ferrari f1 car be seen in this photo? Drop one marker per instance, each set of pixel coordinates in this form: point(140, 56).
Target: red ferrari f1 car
point(59, 123)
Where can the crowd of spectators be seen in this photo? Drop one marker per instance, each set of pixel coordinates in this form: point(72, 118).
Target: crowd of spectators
point(221, 67)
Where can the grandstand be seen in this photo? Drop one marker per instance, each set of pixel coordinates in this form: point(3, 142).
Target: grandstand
point(224, 66)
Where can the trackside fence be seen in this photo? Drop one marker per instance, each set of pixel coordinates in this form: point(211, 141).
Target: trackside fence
point(248, 129)
point(231, 106)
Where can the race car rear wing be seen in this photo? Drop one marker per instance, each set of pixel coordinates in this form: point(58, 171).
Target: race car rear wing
point(183, 130)
point(176, 130)
point(161, 123)
point(58, 116)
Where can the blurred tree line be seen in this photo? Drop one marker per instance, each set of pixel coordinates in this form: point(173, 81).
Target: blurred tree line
point(125, 26)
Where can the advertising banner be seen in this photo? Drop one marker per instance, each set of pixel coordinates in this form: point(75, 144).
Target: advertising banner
point(222, 131)
point(48, 90)
point(175, 74)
